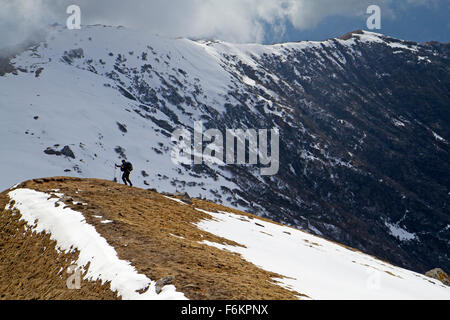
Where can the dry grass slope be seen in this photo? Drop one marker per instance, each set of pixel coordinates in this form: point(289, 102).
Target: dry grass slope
point(156, 234)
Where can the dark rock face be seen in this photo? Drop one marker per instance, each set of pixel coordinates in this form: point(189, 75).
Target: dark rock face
point(440, 275)
point(5, 66)
point(73, 54)
point(66, 151)
point(163, 282)
point(122, 127)
point(121, 152)
point(366, 149)
point(364, 138)
point(186, 198)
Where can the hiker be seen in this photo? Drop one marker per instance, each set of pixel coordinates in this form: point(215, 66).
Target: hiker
point(126, 168)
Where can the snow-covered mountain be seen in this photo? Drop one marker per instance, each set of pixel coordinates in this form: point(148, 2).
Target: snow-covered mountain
point(363, 126)
point(131, 243)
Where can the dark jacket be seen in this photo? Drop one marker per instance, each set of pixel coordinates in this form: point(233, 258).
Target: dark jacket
point(126, 167)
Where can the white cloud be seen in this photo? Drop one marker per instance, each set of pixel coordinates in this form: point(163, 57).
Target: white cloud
point(20, 19)
point(231, 20)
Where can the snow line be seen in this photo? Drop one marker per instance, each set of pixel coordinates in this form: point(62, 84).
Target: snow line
point(316, 267)
point(71, 232)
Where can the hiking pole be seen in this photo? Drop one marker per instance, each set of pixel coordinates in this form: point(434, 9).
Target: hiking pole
point(115, 170)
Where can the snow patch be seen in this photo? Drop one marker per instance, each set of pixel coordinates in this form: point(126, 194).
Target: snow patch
point(71, 232)
point(438, 137)
point(399, 232)
point(314, 266)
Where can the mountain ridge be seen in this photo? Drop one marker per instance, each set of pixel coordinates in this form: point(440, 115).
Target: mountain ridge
point(161, 237)
point(363, 145)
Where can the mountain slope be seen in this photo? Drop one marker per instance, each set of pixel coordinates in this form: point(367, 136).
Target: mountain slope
point(124, 239)
point(363, 126)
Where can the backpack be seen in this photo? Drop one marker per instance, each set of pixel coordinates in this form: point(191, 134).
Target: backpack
point(129, 166)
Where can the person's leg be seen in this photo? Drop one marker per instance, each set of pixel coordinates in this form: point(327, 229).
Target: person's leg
point(128, 179)
point(124, 178)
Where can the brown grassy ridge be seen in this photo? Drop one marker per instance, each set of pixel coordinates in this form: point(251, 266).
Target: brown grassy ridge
point(146, 231)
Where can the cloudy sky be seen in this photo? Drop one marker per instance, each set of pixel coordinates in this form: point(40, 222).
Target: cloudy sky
point(264, 21)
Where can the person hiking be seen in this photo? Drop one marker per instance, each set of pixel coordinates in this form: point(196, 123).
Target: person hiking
point(126, 168)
